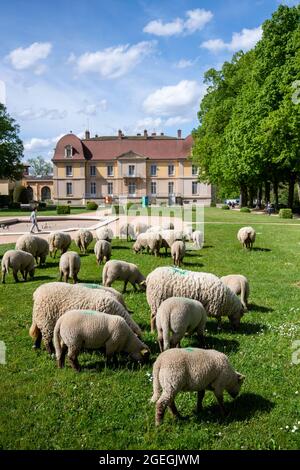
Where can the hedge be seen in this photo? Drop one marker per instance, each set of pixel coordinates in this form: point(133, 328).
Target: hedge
point(91, 205)
point(245, 209)
point(225, 207)
point(286, 213)
point(63, 210)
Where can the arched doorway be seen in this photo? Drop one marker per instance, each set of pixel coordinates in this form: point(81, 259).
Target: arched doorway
point(29, 193)
point(45, 193)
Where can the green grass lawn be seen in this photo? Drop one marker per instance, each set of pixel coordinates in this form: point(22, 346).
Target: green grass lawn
point(19, 213)
point(107, 407)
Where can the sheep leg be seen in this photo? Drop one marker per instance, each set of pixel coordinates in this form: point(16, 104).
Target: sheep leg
point(66, 277)
point(15, 274)
point(75, 278)
point(134, 286)
point(219, 397)
point(161, 406)
point(61, 276)
point(175, 341)
point(73, 358)
point(38, 340)
point(3, 276)
point(61, 360)
point(219, 324)
point(200, 397)
point(124, 288)
point(23, 274)
point(153, 324)
point(201, 340)
point(173, 409)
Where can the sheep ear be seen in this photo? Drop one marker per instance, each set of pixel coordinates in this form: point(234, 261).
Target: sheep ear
point(241, 377)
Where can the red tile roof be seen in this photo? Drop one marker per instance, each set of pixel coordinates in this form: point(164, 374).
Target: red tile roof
point(111, 147)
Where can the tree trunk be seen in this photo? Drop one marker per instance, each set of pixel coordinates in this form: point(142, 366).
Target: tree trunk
point(243, 196)
point(291, 191)
point(251, 197)
point(275, 191)
point(259, 197)
point(267, 192)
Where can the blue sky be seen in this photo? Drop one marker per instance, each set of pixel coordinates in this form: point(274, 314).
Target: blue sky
point(108, 65)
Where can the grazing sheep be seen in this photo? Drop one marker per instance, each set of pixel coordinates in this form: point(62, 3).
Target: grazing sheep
point(121, 270)
point(239, 285)
point(188, 232)
point(59, 241)
point(192, 369)
point(53, 299)
point(115, 293)
point(217, 299)
point(179, 315)
point(88, 329)
point(127, 230)
point(197, 238)
point(69, 266)
point(104, 233)
point(140, 227)
point(18, 260)
point(246, 236)
point(168, 226)
point(150, 241)
point(178, 252)
point(170, 236)
point(102, 250)
point(83, 239)
point(37, 246)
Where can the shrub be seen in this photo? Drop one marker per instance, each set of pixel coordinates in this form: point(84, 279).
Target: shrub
point(14, 205)
point(286, 213)
point(63, 210)
point(245, 209)
point(225, 207)
point(92, 205)
point(213, 204)
point(4, 200)
point(42, 205)
point(21, 194)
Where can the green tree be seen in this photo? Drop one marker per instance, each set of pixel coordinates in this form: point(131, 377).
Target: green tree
point(39, 166)
point(11, 147)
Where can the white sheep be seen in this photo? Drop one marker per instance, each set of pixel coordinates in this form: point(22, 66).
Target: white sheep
point(104, 233)
point(217, 299)
point(180, 316)
point(197, 238)
point(115, 293)
point(168, 226)
point(178, 252)
point(83, 238)
point(102, 250)
point(140, 227)
point(69, 266)
point(127, 231)
point(51, 300)
point(121, 270)
point(170, 236)
point(246, 236)
point(18, 260)
point(88, 329)
point(59, 241)
point(149, 241)
point(239, 285)
point(192, 369)
point(37, 246)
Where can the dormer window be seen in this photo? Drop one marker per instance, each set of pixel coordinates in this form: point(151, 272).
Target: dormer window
point(68, 151)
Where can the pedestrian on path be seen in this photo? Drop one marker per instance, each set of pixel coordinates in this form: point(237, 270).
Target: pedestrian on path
point(33, 220)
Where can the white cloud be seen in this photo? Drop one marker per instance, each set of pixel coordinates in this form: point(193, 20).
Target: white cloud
point(36, 143)
point(149, 123)
point(30, 114)
point(114, 62)
point(177, 120)
point(174, 100)
point(40, 69)
point(2, 92)
point(196, 20)
point(184, 63)
point(26, 57)
point(245, 40)
point(91, 109)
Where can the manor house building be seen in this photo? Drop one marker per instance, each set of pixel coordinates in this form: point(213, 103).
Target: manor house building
point(115, 168)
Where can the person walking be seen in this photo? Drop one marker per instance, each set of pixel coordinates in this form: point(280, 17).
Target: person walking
point(33, 220)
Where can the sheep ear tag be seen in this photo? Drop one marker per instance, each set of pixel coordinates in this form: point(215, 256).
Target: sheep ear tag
point(144, 352)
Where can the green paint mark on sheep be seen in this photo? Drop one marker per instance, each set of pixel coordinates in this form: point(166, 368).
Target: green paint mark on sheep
point(90, 286)
point(89, 312)
point(189, 349)
point(179, 271)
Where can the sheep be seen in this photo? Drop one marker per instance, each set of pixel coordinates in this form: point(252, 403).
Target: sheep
point(217, 299)
point(37, 246)
point(51, 300)
point(59, 241)
point(168, 226)
point(127, 272)
point(197, 238)
point(115, 293)
point(179, 315)
point(178, 252)
point(18, 260)
point(102, 250)
point(246, 236)
point(69, 266)
point(104, 233)
point(239, 285)
point(170, 236)
point(140, 227)
point(127, 230)
point(150, 241)
point(88, 329)
point(83, 239)
point(192, 369)
point(154, 228)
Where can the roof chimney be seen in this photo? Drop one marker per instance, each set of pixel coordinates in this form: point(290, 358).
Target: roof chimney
point(87, 134)
point(145, 133)
point(153, 134)
point(119, 134)
point(179, 134)
point(139, 133)
point(162, 133)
